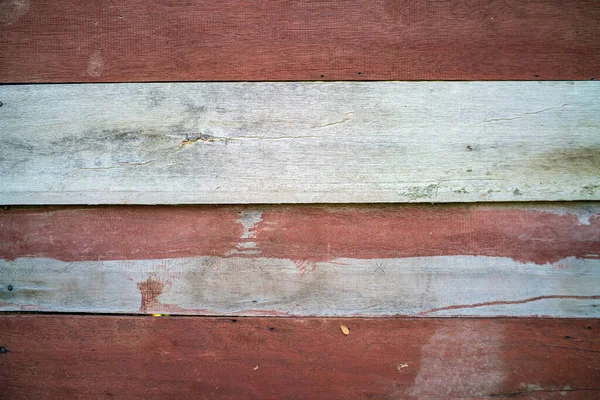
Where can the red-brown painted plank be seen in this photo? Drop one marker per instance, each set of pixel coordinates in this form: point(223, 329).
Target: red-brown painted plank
point(137, 40)
point(542, 234)
point(59, 357)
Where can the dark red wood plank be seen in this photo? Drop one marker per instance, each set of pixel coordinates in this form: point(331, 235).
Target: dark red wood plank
point(541, 234)
point(59, 357)
point(138, 40)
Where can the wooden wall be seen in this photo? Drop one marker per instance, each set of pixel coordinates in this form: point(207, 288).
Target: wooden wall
point(190, 209)
point(265, 40)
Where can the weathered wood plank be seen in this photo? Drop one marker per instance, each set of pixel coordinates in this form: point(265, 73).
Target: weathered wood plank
point(416, 286)
point(137, 40)
point(419, 260)
point(299, 142)
point(58, 357)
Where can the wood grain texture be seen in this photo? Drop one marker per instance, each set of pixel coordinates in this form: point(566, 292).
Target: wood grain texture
point(345, 142)
point(419, 260)
point(58, 357)
point(415, 286)
point(136, 40)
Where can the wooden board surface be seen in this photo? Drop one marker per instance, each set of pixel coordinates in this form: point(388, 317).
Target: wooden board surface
point(420, 260)
point(137, 40)
point(345, 142)
point(58, 357)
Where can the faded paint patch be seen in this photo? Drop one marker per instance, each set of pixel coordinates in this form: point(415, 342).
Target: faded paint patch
point(249, 218)
point(95, 64)
point(538, 233)
point(462, 360)
point(12, 10)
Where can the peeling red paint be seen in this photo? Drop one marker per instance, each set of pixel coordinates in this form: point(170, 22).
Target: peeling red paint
point(308, 234)
point(417, 231)
point(501, 302)
point(305, 265)
point(118, 232)
point(151, 289)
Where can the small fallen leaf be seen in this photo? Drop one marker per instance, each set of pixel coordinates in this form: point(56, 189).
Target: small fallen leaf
point(345, 330)
point(255, 368)
point(400, 366)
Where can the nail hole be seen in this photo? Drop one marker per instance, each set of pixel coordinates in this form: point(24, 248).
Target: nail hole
point(3, 350)
point(469, 148)
point(272, 329)
point(9, 287)
point(254, 301)
point(360, 73)
point(569, 337)
point(234, 320)
point(589, 327)
point(1, 103)
point(322, 76)
point(536, 76)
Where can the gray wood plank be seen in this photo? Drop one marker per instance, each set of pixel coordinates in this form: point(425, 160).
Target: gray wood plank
point(416, 286)
point(306, 142)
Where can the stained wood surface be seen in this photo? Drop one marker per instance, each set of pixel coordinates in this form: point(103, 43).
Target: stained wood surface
point(345, 142)
point(419, 260)
point(137, 40)
point(58, 357)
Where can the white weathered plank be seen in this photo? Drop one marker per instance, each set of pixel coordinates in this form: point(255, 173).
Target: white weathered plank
point(299, 142)
point(420, 286)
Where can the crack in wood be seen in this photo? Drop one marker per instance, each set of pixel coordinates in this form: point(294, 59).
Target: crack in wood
point(517, 117)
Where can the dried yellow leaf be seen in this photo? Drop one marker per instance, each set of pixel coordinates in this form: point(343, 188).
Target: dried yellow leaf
point(345, 330)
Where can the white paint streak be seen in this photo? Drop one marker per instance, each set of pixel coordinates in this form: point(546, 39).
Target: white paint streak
point(461, 360)
point(12, 10)
point(95, 64)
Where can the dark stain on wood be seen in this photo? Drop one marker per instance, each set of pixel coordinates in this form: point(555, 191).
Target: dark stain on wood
point(577, 162)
